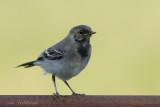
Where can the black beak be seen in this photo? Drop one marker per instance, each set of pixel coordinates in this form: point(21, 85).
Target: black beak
point(91, 33)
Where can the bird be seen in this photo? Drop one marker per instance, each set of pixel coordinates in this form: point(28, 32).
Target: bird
point(67, 58)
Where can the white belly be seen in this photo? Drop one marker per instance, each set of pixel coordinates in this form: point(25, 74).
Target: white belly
point(65, 69)
point(72, 70)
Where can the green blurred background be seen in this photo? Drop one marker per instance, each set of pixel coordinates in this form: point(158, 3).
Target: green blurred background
point(126, 49)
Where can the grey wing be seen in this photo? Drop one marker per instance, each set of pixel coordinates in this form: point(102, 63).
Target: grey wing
point(51, 54)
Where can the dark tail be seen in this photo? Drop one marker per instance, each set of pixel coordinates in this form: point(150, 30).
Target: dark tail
point(28, 64)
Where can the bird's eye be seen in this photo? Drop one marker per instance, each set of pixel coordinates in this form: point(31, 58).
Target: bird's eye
point(81, 32)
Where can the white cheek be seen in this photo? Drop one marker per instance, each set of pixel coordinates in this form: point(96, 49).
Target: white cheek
point(80, 38)
point(85, 34)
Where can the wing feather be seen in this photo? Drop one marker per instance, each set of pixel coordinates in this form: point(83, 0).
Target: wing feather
point(51, 54)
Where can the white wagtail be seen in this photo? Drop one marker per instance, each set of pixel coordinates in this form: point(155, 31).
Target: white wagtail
point(68, 57)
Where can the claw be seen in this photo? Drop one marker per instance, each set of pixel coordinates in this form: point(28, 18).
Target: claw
point(57, 95)
point(77, 94)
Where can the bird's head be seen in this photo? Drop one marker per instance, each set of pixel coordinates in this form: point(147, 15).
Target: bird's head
point(81, 33)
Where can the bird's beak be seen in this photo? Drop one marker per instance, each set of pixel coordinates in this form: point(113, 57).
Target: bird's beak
point(91, 33)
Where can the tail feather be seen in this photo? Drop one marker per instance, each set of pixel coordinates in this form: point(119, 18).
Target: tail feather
point(28, 64)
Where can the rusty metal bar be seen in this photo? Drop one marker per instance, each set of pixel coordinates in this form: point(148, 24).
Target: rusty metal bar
point(78, 101)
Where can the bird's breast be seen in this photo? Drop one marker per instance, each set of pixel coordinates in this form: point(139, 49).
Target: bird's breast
point(83, 51)
point(81, 61)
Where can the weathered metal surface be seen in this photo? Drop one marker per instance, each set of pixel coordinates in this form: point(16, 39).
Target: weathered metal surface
point(78, 101)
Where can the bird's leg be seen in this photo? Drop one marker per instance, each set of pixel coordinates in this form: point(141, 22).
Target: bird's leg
point(73, 93)
point(56, 94)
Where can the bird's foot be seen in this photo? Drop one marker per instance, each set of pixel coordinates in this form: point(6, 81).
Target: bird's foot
point(77, 94)
point(57, 95)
